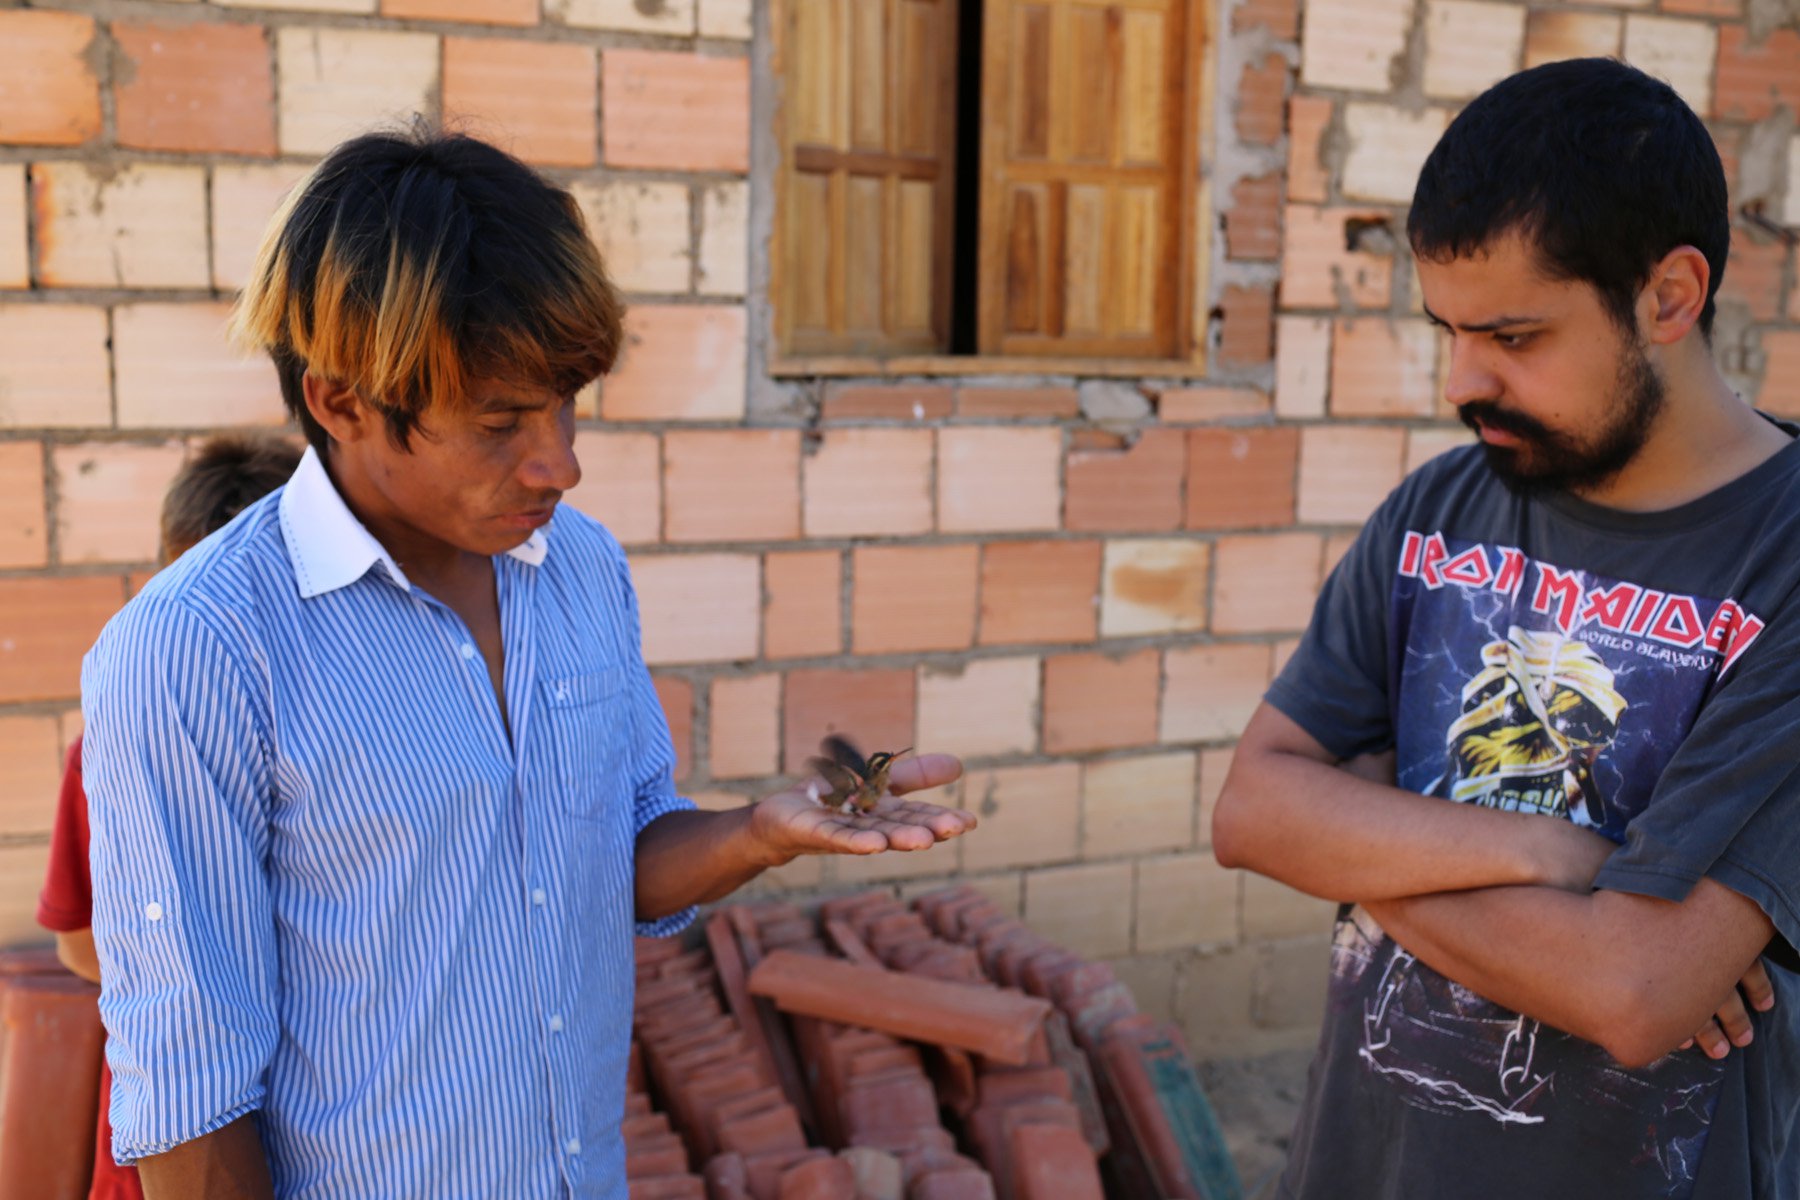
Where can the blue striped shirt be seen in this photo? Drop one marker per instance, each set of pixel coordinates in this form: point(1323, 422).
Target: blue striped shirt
point(329, 886)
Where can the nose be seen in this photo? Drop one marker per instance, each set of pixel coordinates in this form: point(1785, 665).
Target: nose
point(1468, 377)
point(551, 465)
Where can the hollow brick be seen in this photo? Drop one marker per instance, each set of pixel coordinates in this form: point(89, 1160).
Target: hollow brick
point(677, 698)
point(195, 87)
point(1185, 900)
point(1756, 77)
point(1241, 478)
point(1353, 44)
point(869, 482)
point(31, 759)
point(670, 17)
point(1266, 583)
point(1469, 45)
point(1100, 702)
point(49, 95)
point(697, 607)
point(1136, 489)
point(674, 111)
point(874, 708)
point(1085, 908)
point(1039, 592)
point(621, 482)
point(1382, 367)
point(907, 402)
point(1302, 366)
point(174, 369)
point(535, 99)
point(108, 499)
point(1153, 586)
point(1552, 36)
point(744, 739)
point(1210, 691)
point(999, 479)
point(681, 362)
point(465, 12)
point(801, 607)
point(23, 540)
point(907, 599)
point(15, 249)
point(725, 19)
point(1678, 51)
point(337, 83)
point(1347, 471)
point(1137, 805)
point(1260, 100)
point(138, 226)
point(731, 484)
point(1387, 146)
point(244, 199)
point(1318, 267)
point(983, 708)
point(64, 617)
point(54, 366)
point(723, 267)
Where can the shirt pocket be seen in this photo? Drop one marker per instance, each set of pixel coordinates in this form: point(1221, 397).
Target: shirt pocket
point(588, 724)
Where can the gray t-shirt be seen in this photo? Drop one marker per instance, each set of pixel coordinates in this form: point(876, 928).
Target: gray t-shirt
point(1638, 674)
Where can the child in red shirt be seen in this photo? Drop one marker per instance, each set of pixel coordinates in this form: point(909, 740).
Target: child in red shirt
point(220, 481)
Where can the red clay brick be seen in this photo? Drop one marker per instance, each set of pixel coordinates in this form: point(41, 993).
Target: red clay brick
point(1253, 222)
point(141, 225)
point(23, 540)
point(194, 87)
point(885, 402)
point(1308, 179)
point(697, 607)
point(1246, 325)
point(1554, 36)
point(869, 482)
point(1753, 275)
point(730, 484)
point(1039, 592)
point(998, 479)
point(1280, 17)
point(680, 362)
point(108, 499)
point(1265, 584)
point(1346, 471)
point(1241, 478)
point(677, 697)
point(1153, 586)
point(244, 197)
point(15, 247)
point(990, 402)
point(745, 738)
point(1317, 261)
point(1705, 8)
point(31, 761)
point(1261, 95)
point(1100, 701)
point(1133, 489)
point(1383, 368)
point(801, 609)
point(873, 708)
point(1181, 406)
point(912, 598)
point(675, 111)
point(64, 617)
point(174, 369)
point(1780, 392)
point(469, 12)
point(1755, 77)
point(980, 709)
point(1209, 692)
point(621, 483)
point(49, 95)
point(534, 98)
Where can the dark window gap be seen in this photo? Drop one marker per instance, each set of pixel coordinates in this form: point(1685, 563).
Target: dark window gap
point(966, 243)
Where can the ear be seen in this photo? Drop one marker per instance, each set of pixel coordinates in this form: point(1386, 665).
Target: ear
point(338, 408)
point(1671, 302)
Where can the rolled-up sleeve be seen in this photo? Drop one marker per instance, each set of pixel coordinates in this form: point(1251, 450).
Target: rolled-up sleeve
point(176, 757)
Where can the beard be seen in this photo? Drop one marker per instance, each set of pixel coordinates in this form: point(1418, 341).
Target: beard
point(1551, 461)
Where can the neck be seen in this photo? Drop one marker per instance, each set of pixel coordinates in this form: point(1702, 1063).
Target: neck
point(1704, 437)
point(429, 562)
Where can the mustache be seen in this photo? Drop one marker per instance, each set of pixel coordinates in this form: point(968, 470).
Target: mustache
point(1477, 413)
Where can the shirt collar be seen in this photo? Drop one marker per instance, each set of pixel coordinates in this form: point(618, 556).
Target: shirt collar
point(331, 549)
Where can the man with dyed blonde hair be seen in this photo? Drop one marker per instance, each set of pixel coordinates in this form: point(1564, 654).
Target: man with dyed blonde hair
point(381, 788)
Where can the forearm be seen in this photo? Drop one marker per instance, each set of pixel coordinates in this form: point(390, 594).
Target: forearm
point(1323, 830)
point(226, 1164)
point(75, 951)
point(1635, 974)
point(686, 858)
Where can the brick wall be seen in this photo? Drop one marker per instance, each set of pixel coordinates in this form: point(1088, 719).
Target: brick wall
point(1080, 584)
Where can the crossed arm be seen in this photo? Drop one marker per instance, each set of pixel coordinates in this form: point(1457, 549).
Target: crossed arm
point(1499, 902)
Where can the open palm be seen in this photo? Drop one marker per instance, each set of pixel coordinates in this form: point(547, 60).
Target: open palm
point(795, 823)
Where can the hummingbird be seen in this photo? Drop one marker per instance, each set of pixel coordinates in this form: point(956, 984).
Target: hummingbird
point(855, 782)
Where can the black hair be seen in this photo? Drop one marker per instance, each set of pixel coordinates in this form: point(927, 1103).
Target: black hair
point(1598, 166)
point(409, 262)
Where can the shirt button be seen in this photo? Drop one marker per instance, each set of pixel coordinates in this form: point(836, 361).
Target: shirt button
point(153, 911)
point(555, 1022)
point(538, 897)
point(573, 1145)
point(468, 650)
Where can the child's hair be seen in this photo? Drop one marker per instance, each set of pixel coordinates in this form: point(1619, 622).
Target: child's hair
point(224, 477)
point(410, 262)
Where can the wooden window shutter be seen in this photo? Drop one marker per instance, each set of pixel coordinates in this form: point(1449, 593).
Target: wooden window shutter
point(1086, 156)
point(868, 144)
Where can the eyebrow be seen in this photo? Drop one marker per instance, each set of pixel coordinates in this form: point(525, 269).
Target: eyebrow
point(1493, 326)
point(508, 403)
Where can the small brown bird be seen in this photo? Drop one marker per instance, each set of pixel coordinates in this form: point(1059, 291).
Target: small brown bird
point(855, 782)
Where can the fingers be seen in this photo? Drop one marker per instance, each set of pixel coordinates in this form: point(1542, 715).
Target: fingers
point(1757, 987)
point(1711, 1040)
point(924, 771)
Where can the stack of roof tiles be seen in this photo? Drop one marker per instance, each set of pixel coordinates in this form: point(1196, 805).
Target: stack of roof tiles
point(944, 1052)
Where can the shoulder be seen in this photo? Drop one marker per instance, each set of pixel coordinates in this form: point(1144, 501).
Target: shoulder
point(210, 594)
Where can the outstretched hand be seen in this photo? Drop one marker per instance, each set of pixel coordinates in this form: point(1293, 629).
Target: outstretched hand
point(792, 822)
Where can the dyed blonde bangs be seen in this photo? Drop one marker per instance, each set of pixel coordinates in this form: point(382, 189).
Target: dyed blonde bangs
point(410, 316)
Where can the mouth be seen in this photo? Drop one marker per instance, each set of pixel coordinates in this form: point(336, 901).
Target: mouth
point(1494, 436)
point(531, 518)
